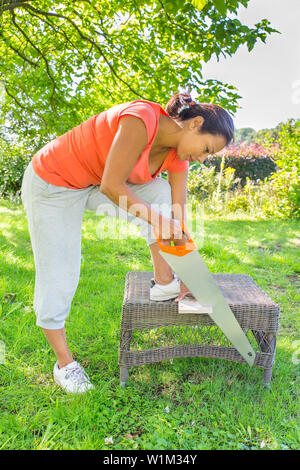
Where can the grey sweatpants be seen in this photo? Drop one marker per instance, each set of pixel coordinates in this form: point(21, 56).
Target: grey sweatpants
point(54, 215)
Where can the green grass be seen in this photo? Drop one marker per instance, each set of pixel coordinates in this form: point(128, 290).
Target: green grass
point(192, 403)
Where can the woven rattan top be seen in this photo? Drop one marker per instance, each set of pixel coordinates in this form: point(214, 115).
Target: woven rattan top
point(252, 307)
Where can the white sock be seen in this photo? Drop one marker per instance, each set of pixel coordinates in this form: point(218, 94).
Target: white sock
point(162, 285)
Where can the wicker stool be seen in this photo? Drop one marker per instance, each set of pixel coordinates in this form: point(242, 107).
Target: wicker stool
point(154, 331)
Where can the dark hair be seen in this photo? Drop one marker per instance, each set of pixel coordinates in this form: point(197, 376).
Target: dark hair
point(216, 119)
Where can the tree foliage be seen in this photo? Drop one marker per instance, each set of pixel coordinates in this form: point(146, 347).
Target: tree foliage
point(62, 62)
point(244, 135)
point(283, 142)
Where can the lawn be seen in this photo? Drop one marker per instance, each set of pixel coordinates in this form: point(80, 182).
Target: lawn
point(190, 403)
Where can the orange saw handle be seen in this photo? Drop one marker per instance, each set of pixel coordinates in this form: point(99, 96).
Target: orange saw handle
point(179, 250)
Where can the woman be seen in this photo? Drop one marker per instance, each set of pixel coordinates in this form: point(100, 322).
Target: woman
point(114, 156)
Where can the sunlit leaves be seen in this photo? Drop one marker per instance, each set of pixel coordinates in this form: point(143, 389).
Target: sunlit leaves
point(220, 5)
point(65, 61)
point(199, 4)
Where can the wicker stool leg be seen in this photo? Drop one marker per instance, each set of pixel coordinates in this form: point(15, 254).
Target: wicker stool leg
point(269, 347)
point(267, 377)
point(124, 346)
point(123, 375)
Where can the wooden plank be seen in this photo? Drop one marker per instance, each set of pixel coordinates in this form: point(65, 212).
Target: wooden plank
point(190, 305)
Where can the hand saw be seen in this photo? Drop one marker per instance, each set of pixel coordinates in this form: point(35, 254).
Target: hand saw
point(188, 264)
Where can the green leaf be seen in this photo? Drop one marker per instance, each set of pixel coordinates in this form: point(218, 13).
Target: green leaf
point(174, 5)
point(251, 43)
point(199, 4)
point(220, 5)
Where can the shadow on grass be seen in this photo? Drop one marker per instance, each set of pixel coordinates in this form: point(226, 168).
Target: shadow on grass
point(105, 262)
point(263, 237)
point(225, 374)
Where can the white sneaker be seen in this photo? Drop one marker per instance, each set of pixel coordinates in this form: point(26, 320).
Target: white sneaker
point(72, 378)
point(165, 292)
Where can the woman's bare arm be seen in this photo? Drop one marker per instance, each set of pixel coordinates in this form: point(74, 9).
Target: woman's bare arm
point(128, 144)
point(178, 183)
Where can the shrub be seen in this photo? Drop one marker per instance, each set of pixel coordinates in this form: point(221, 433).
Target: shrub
point(284, 185)
point(13, 161)
point(281, 194)
point(238, 203)
point(249, 161)
point(212, 188)
point(285, 142)
point(202, 183)
point(257, 189)
point(222, 193)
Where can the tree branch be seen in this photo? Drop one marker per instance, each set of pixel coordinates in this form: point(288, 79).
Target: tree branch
point(91, 41)
point(42, 55)
point(60, 31)
point(26, 108)
point(11, 4)
point(178, 25)
point(22, 56)
point(101, 32)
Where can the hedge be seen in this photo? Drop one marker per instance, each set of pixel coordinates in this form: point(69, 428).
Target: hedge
point(257, 168)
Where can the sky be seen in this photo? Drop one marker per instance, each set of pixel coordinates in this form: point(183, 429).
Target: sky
point(268, 77)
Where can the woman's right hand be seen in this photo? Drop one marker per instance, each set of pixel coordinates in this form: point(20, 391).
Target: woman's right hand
point(170, 229)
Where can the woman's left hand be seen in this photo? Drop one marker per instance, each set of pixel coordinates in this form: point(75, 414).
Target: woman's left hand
point(183, 292)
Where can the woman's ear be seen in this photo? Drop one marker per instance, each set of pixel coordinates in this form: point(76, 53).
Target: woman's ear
point(197, 122)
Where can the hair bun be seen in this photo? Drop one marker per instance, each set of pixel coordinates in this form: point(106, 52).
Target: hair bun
point(178, 103)
point(216, 119)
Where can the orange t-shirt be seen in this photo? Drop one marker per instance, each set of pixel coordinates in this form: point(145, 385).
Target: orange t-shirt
point(77, 158)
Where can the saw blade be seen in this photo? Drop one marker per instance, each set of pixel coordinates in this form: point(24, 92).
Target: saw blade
point(188, 264)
